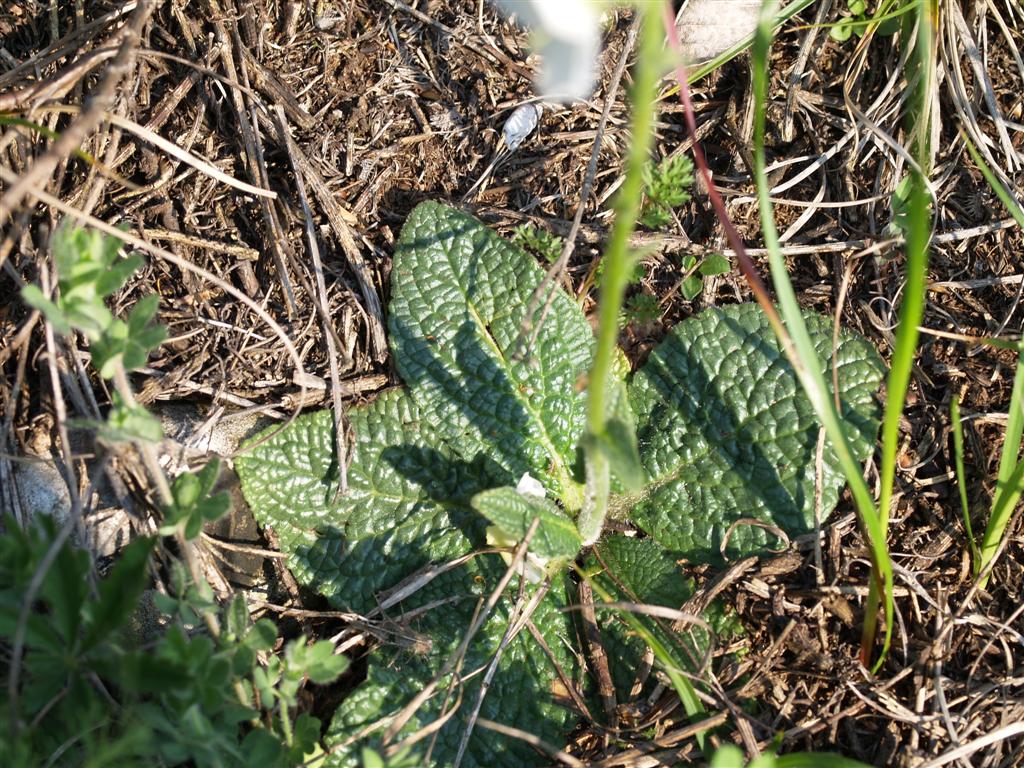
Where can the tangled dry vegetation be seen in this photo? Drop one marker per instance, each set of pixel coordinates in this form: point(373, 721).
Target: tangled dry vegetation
point(272, 150)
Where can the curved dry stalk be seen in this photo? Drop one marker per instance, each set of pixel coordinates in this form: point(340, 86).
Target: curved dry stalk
point(91, 115)
point(516, 733)
point(968, 749)
point(185, 264)
point(172, 149)
point(520, 616)
point(456, 657)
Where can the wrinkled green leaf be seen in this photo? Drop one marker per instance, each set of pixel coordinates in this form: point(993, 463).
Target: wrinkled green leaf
point(475, 418)
point(458, 303)
point(407, 503)
point(512, 512)
point(523, 691)
point(726, 433)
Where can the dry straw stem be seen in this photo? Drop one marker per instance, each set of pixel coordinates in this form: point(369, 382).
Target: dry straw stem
point(520, 615)
point(185, 265)
point(455, 659)
point(92, 113)
point(150, 136)
point(507, 730)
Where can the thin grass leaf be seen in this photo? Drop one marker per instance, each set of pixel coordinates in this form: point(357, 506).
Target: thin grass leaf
point(1007, 495)
point(1001, 509)
point(961, 476)
point(801, 349)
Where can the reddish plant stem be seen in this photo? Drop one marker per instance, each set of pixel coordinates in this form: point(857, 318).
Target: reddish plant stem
point(746, 264)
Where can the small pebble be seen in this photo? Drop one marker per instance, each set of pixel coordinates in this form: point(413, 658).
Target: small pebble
point(520, 124)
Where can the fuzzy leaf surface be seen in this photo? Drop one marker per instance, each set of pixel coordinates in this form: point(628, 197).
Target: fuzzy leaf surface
point(727, 436)
point(514, 513)
point(523, 691)
point(407, 503)
point(459, 299)
point(472, 419)
point(475, 417)
point(407, 507)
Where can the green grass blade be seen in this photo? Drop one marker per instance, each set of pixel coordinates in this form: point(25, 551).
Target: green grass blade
point(1007, 490)
point(911, 312)
point(669, 664)
point(1014, 429)
point(1007, 496)
point(961, 475)
point(806, 364)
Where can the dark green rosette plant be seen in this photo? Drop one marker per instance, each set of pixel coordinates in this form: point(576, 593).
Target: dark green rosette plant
point(713, 452)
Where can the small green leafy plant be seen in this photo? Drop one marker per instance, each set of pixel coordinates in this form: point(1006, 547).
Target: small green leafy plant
point(194, 503)
point(711, 433)
point(859, 21)
point(88, 271)
point(666, 187)
point(86, 685)
point(693, 283)
point(538, 241)
point(97, 686)
point(641, 308)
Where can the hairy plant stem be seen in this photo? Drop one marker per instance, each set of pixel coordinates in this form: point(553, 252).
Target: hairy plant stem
point(618, 265)
point(595, 497)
